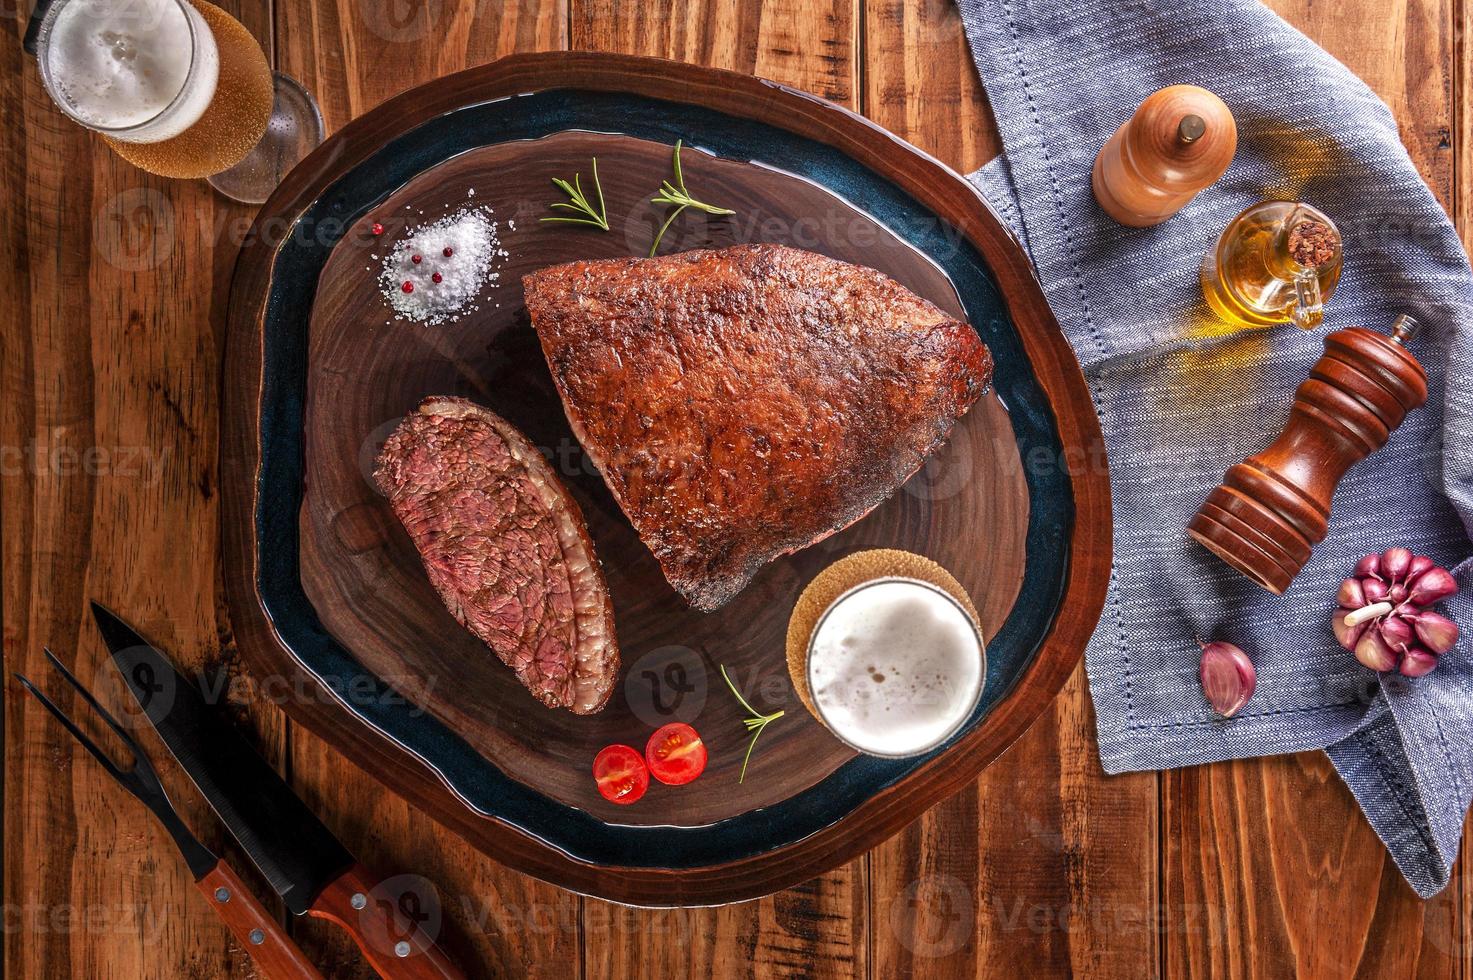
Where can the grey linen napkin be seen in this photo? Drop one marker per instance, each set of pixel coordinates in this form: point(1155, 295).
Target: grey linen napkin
point(1178, 407)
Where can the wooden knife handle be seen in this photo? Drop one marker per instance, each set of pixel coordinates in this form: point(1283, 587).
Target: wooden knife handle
point(394, 944)
point(253, 927)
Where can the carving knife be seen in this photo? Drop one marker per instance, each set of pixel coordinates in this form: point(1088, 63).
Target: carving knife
point(301, 859)
point(253, 927)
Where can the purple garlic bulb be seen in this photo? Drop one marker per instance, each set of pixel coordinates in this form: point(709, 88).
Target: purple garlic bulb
point(1383, 615)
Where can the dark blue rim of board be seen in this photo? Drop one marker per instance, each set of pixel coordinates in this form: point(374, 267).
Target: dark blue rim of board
point(473, 778)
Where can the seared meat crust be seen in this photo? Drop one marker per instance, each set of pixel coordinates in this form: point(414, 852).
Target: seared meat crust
point(746, 402)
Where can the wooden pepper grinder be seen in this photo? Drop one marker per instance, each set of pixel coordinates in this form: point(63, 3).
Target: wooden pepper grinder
point(1179, 141)
point(1273, 508)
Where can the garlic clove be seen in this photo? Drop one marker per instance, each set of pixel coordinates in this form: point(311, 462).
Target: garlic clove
point(1395, 562)
point(1346, 635)
point(1369, 566)
point(1437, 632)
point(1352, 596)
point(1228, 677)
point(1397, 632)
point(1373, 652)
point(1417, 662)
point(1375, 589)
point(1431, 586)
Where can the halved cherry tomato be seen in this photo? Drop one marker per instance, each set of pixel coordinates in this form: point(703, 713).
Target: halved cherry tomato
point(621, 774)
point(676, 754)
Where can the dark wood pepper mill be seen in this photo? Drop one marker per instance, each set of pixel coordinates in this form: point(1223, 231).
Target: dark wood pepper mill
point(1272, 509)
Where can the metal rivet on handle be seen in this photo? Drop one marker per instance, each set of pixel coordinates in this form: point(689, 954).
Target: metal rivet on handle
point(401, 948)
point(257, 937)
point(359, 900)
point(222, 894)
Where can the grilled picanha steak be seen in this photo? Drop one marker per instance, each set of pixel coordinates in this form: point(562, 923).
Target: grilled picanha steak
point(746, 402)
point(505, 546)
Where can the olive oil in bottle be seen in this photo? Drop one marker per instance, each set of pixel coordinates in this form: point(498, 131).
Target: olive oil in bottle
point(1277, 262)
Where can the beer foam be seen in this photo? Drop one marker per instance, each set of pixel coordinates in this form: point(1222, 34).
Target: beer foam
point(233, 123)
point(845, 574)
point(119, 64)
point(895, 666)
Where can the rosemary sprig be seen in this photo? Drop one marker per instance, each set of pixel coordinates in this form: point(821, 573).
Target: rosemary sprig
point(579, 202)
point(756, 723)
point(677, 195)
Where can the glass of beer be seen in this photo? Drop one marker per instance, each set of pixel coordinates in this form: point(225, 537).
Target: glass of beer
point(895, 666)
point(177, 87)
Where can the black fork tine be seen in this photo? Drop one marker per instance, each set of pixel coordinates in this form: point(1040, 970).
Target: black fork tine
point(138, 757)
point(139, 779)
point(139, 776)
point(77, 733)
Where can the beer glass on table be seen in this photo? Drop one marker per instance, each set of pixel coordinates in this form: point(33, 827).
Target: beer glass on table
point(177, 87)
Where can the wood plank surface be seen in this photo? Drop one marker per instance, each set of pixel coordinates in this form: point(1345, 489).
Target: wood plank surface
point(110, 356)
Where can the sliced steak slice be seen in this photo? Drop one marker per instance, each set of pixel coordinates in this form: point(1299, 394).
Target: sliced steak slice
point(505, 546)
point(746, 402)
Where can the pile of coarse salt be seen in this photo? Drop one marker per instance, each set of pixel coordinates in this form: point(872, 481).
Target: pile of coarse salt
point(436, 273)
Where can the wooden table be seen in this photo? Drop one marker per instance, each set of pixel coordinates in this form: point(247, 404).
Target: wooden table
point(1046, 867)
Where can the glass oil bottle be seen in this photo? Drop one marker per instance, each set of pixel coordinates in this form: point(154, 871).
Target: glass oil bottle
point(1277, 262)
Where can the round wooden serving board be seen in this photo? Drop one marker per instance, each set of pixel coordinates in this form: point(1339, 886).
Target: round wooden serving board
point(967, 510)
point(327, 589)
